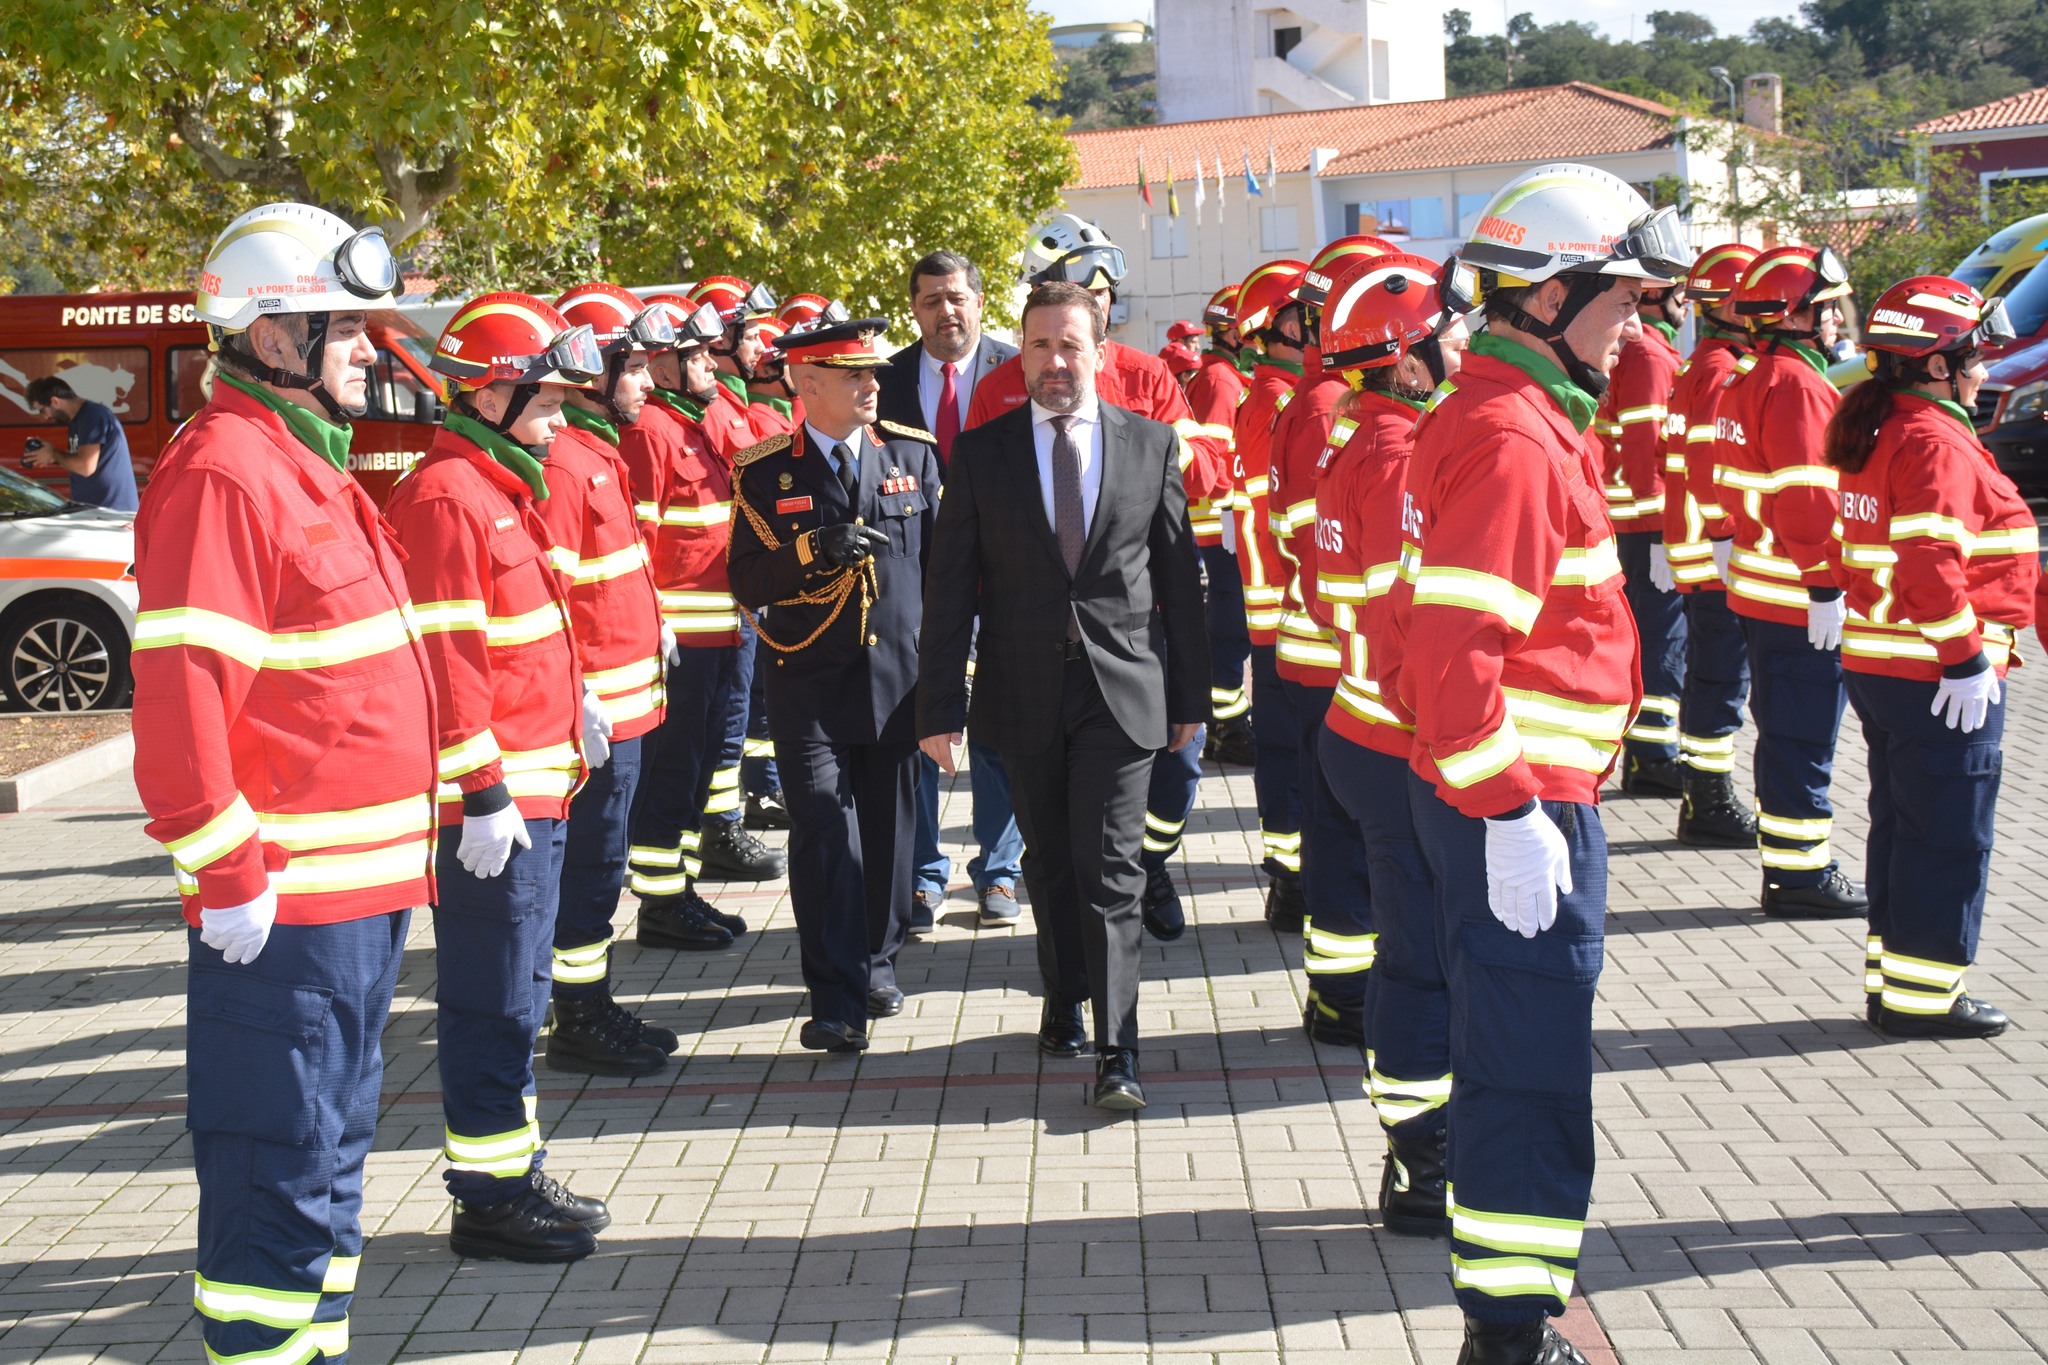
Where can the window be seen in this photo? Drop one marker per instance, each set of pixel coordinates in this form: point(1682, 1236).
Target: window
point(1382, 71)
point(1169, 236)
point(1360, 218)
point(1470, 206)
point(1285, 40)
point(1384, 218)
point(186, 382)
point(394, 391)
point(1279, 228)
point(1427, 217)
point(117, 376)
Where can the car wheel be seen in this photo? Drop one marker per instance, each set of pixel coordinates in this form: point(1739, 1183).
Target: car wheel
point(66, 656)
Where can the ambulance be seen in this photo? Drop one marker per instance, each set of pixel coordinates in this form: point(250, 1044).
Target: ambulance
point(67, 585)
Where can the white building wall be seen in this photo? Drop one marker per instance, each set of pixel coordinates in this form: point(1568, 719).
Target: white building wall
point(1219, 58)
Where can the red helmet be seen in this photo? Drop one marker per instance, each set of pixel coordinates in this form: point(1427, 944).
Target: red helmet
point(800, 310)
point(1380, 309)
point(1315, 281)
point(772, 331)
point(1185, 330)
point(515, 339)
point(1221, 310)
point(735, 299)
point(695, 325)
point(1180, 358)
point(1786, 279)
point(1265, 291)
point(1718, 271)
point(620, 320)
point(1931, 313)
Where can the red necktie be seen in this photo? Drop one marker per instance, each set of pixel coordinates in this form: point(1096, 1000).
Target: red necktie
point(948, 424)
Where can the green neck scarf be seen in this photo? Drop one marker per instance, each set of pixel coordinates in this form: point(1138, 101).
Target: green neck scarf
point(503, 449)
point(781, 405)
point(1953, 409)
point(590, 422)
point(1243, 361)
point(316, 433)
point(1576, 403)
point(1293, 367)
point(735, 386)
point(1720, 333)
point(683, 403)
point(1804, 352)
point(1670, 332)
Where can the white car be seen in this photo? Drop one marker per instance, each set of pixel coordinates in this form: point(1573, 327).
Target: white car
point(67, 600)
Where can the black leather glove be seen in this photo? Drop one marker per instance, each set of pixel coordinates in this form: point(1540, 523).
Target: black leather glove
point(845, 546)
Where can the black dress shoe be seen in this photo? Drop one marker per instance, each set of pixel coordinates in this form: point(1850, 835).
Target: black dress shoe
point(1340, 1023)
point(829, 1035)
point(884, 1002)
point(1710, 815)
point(1642, 776)
point(1534, 1342)
point(526, 1227)
point(1286, 909)
point(924, 911)
point(731, 854)
point(591, 1213)
point(1230, 741)
point(1060, 1030)
point(1160, 907)
point(680, 922)
point(589, 1037)
point(766, 811)
point(1835, 898)
point(1968, 1017)
point(1116, 1080)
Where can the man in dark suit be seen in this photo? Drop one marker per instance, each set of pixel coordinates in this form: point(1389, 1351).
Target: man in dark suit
point(832, 527)
point(1065, 526)
point(929, 384)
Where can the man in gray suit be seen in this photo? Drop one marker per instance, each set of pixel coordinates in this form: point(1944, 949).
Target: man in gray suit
point(1065, 527)
point(928, 385)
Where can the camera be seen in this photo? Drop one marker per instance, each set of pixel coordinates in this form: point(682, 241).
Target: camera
point(32, 443)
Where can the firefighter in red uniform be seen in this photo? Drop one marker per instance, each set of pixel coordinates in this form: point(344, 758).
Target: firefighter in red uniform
point(1639, 397)
point(1179, 355)
point(1271, 326)
point(682, 494)
point(284, 749)
point(1781, 502)
point(1337, 937)
point(624, 648)
point(516, 729)
point(1940, 557)
point(1388, 333)
point(1516, 656)
point(1071, 249)
point(1716, 656)
point(1213, 394)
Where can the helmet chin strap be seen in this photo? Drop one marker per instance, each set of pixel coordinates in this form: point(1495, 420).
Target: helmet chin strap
point(522, 394)
point(311, 381)
point(614, 370)
point(1581, 290)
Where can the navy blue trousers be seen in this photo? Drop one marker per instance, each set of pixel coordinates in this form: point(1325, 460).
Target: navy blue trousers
point(493, 943)
point(1716, 683)
point(677, 760)
point(283, 1072)
point(1521, 1030)
point(1661, 623)
point(1408, 1008)
point(593, 874)
point(722, 804)
point(758, 774)
point(1933, 798)
point(1797, 698)
point(1337, 940)
point(1230, 641)
point(1176, 775)
point(1275, 738)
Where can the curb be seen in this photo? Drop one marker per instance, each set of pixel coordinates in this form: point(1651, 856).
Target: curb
point(61, 775)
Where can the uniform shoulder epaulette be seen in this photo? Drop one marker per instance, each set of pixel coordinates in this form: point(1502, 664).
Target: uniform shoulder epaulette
point(761, 449)
point(913, 433)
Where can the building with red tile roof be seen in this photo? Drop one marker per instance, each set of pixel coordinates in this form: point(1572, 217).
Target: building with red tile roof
point(2004, 140)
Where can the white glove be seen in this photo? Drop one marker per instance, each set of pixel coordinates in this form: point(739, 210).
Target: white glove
point(240, 931)
point(1724, 553)
point(1824, 622)
point(487, 840)
point(1660, 569)
point(670, 650)
point(1527, 864)
point(597, 731)
point(1967, 700)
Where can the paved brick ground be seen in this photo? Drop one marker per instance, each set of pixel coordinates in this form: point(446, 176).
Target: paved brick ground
point(1777, 1183)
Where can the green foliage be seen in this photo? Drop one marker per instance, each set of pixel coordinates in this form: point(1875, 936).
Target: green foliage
point(1109, 85)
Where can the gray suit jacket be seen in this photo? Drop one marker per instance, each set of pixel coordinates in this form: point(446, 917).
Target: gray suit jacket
point(899, 401)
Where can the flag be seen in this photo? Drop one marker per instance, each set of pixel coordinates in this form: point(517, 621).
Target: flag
point(1251, 182)
point(1144, 181)
point(1201, 187)
point(1272, 171)
point(1172, 199)
point(1219, 184)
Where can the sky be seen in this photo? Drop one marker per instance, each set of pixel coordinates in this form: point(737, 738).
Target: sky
point(1615, 17)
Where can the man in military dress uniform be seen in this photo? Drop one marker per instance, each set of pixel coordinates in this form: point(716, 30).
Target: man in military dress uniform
point(831, 528)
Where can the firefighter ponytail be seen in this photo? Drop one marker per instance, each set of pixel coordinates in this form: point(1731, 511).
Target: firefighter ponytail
point(1852, 431)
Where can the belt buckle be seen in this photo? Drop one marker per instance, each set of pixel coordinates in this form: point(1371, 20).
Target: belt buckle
point(1071, 650)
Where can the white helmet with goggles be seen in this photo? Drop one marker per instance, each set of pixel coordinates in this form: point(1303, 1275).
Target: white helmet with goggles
point(1070, 248)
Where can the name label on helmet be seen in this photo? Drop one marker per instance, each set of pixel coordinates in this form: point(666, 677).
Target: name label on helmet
point(1895, 318)
point(128, 315)
point(1501, 230)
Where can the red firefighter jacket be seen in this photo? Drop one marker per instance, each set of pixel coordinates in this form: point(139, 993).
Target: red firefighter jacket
point(1781, 498)
point(1693, 518)
point(1213, 395)
point(1269, 390)
point(682, 493)
point(1639, 396)
point(1302, 439)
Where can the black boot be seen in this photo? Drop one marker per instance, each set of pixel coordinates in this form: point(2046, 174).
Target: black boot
point(1534, 1342)
point(1835, 898)
point(525, 1227)
point(1286, 909)
point(1709, 815)
point(1652, 776)
point(1340, 1023)
point(663, 1038)
point(1160, 906)
point(1969, 1017)
point(591, 1213)
point(1412, 1188)
point(680, 922)
point(766, 810)
point(1230, 741)
point(732, 924)
point(588, 1037)
point(731, 854)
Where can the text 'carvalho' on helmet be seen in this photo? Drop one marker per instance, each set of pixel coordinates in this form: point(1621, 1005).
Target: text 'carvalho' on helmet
point(291, 259)
point(1070, 248)
point(1932, 315)
point(1580, 224)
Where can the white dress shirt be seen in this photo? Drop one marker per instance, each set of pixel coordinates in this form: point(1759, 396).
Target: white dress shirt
point(825, 444)
point(1086, 434)
point(931, 382)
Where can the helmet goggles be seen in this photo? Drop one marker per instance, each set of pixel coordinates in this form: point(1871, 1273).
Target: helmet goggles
point(1994, 328)
point(1082, 265)
point(365, 264)
point(574, 355)
point(652, 329)
point(1657, 241)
